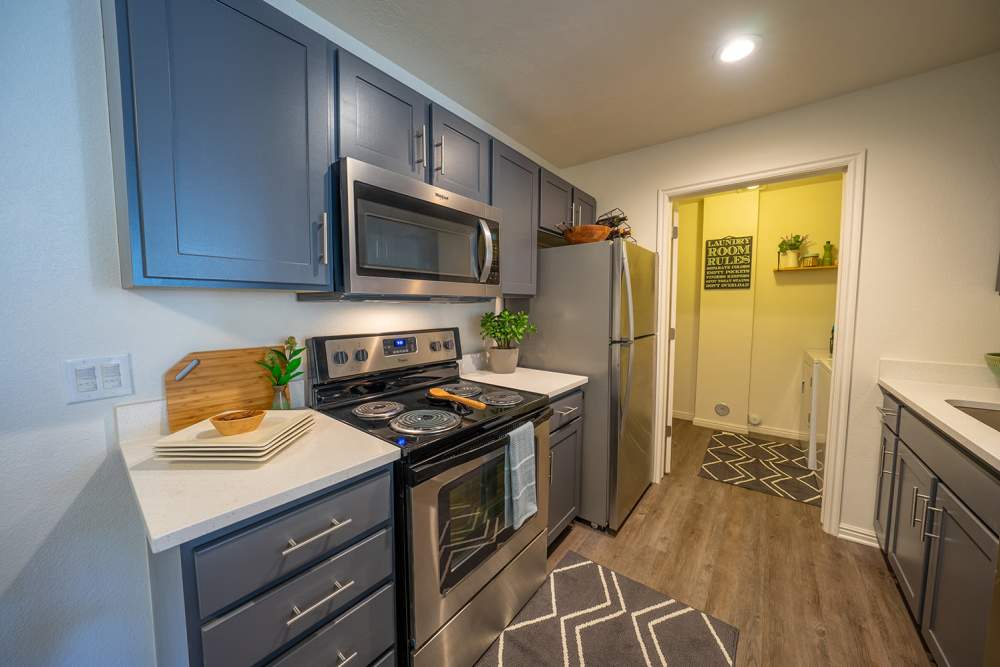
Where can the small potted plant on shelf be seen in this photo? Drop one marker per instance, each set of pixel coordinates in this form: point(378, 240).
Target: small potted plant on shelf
point(789, 249)
point(282, 364)
point(507, 330)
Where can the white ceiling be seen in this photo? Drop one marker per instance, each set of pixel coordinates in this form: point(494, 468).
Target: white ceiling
point(577, 80)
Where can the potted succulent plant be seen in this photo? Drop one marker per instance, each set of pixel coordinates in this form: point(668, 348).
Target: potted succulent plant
point(506, 330)
point(282, 364)
point(789, 249)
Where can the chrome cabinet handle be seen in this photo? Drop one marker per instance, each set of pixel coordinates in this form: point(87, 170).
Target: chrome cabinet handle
point(422, 144)
point(343, 660)
point(440, 165)
point(295, 546)
point(913, 510)
point(567, 412)
point(325, 234)
point(924, 534)
point(484, 273)
point(885, 412)
point(913, 507)
point(884, 471)
point(298, 614)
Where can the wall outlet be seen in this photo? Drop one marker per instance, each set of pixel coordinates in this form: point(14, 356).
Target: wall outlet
point(94, 378)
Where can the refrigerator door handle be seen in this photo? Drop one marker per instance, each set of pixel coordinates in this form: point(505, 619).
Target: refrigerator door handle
point(628, 292)
point(625, 395)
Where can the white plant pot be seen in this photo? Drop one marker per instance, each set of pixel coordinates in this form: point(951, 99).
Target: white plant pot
point(788, 259)
point(500, 360)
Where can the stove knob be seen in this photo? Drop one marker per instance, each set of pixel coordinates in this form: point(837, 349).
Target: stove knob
point(361, 355)
point(449, 345)
point(340, 357)
point(435, 346)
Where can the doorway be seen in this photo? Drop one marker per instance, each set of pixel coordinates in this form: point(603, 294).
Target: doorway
point(851, 169)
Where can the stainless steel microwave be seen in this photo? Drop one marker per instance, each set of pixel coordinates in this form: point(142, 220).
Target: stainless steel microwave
point(397, 238)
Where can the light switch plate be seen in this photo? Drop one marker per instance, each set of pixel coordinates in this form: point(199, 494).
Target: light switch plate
point(94, 378)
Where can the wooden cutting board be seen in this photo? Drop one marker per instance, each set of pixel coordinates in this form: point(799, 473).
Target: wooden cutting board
point(222, 380)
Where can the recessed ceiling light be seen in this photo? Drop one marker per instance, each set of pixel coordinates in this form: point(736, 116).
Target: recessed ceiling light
point(737, 49)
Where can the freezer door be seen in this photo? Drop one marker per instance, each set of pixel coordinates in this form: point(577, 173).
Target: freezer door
point(641, 264)
point(632, 443)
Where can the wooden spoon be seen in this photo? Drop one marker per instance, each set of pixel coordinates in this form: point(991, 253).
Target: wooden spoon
point(437, 392)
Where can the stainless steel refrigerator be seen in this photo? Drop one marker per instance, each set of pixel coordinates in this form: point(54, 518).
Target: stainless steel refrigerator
point(596, 315)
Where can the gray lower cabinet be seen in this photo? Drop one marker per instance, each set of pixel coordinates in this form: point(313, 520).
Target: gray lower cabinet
point(460, 159)
point(555, 205)
point(883, 489)
point(382, 122)
point(914, 487)
point(585, 207)
point(960, 578)
point(220, 123)
point(565, 458)
point(514, 189)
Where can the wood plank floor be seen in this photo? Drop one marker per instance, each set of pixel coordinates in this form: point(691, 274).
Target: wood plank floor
point(761, 563)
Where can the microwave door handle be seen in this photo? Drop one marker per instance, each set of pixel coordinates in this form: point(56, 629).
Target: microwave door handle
point(484, 272)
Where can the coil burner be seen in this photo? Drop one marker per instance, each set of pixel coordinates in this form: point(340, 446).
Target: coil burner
point(425, 422)
point(463, 389)
point(378, 410)
point(501, 398)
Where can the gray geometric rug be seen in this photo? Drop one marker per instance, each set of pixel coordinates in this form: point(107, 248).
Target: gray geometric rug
point(777, 468)
point(586, 614)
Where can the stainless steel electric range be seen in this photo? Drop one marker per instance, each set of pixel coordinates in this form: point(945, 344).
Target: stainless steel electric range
point(465, 570)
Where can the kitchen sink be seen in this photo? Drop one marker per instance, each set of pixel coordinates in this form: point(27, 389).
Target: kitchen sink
point(987, 413)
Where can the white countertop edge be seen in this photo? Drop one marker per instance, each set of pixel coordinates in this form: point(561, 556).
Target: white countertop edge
point(928, 400)
point(165, 541)
point(550, 383)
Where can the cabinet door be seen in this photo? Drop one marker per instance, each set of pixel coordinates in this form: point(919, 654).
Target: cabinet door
point(585, 207)
point(461, 155)
point(382, 122)
point(232, 113)
point(564, 478)
point(515, 191)
point(555, 202)
point(884, 486)
point(960, 579)
point(914, 486)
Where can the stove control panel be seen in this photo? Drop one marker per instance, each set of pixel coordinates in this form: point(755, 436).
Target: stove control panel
point(345, 356)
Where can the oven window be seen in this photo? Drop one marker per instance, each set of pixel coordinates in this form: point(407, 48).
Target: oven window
point(473, 520)
point(403, 237)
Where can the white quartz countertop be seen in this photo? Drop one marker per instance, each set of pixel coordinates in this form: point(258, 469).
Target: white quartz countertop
point(180, 502)
point(549, 383)
point(927, 396)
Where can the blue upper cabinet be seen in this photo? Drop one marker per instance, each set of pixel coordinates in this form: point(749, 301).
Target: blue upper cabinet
point(382, 122)
point(585, 207)
point(221, 117)
point(515, 191)
point(460, 159)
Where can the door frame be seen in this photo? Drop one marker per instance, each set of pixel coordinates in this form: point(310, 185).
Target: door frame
point(852, 165)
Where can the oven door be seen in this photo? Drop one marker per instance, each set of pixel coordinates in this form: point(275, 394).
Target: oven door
point(406, 238)
point(461, 533)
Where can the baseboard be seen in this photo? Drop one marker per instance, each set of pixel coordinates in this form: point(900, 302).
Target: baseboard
point(718, 426)
point(865, 536)
point(687, 416)
point(786, 433)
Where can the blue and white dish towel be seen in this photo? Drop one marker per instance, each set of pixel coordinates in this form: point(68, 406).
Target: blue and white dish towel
point(521, 496)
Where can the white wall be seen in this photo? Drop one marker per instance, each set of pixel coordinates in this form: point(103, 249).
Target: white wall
point(931, 218)
point(73, 576)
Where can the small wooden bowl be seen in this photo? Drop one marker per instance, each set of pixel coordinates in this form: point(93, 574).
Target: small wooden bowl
point(235, 422)
point(586, 233)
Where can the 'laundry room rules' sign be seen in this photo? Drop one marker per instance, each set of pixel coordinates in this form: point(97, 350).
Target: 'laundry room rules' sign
point(728, 262)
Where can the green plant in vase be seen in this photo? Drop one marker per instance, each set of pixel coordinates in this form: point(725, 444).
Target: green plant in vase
point(506, 330)
point(282, 364)
point(789, 249)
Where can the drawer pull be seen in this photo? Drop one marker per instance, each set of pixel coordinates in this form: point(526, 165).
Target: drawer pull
point(924, 534)
point(886, 412)
point(913, 508)
point(295, 546)
point(343, 660)
point(568, 412)
point(299, 613)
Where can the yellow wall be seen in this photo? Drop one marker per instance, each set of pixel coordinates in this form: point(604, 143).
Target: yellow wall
point(794, 310)
point(726, 321)
point(689, 242)
point(745, 347)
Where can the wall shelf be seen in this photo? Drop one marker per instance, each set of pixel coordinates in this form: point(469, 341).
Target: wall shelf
point(806, 268)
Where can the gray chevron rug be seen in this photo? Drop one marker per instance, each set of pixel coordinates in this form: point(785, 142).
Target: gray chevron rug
point(587, 614)
point(777, 468)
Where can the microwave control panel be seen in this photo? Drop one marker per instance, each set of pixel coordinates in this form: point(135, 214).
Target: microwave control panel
point(346, 356)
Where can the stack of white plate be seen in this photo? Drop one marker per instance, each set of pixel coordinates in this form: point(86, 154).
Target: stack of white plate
point(202, 443)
